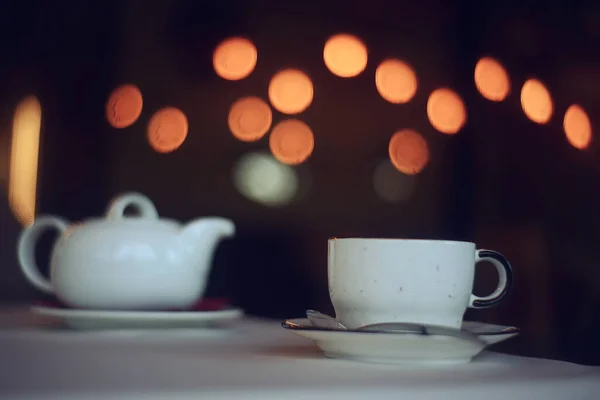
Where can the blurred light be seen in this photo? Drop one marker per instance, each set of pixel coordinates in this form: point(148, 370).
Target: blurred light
point(291, 141)
point(536, 101)
point(262, 179)
point(392, 185)
point(4, 158)
point(290, 91)
point(345, 55)
point(446, 111)
point(491, 79)
point(396, 81)
point(250, 119)
point(577, 127)
point(408, 151)
point(124, 106)
point(235, 58)
point(167, 129)
point(22, 184)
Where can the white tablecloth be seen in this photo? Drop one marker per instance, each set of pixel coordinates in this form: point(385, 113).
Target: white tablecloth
point(255, 359)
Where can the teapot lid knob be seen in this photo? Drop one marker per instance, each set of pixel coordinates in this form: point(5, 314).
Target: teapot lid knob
point(138, 201)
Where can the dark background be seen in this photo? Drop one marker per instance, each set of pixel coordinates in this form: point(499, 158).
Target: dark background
point(503, 181)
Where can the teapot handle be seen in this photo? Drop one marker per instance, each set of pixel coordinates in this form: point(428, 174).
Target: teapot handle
point(140, 202)
point(26, 250)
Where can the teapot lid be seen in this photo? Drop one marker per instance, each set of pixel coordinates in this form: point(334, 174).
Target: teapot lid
point(142, 204)
point(147, 217)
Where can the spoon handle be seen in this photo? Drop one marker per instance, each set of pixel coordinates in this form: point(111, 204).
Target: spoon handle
point(417, 329)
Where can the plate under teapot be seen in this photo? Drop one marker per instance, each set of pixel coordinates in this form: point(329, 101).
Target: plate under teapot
point(82, 319)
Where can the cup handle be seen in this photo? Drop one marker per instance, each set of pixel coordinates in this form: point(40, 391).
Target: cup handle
point(140, 202)
point(26, 250)
point(505, 279)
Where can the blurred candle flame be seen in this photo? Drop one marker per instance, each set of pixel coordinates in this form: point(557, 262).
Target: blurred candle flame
point(578, 128)
point(167, 129)
point(396, 81)
point(536, 101)
point(291, 141)
point(290, 91)
point(249, 118)
point(408, 151)
point(124, 106)
point(446, 111)
point(491, 79)
point(22, 185)
point(345, 55)
point(235, 58)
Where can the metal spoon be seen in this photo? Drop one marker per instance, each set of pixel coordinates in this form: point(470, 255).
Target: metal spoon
point(320, 320)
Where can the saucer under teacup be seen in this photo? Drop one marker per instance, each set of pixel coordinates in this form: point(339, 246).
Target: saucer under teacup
point(421, 344)
point(207, 313)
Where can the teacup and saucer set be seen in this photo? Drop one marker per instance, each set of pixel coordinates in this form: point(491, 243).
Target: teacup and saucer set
point(121, 272)
point(403, 301)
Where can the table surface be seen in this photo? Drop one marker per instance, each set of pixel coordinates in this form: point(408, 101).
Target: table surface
point(251, 359)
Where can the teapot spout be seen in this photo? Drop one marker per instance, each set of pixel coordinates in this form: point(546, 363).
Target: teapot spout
point(199, 238)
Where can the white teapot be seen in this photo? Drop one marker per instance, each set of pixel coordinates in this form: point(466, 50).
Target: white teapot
point(126, 263)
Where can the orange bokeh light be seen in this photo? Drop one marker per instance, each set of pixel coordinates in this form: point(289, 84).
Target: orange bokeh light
point(396, 81)
point(235, 58)
point(167, 129)
point(446, 111)
point(291, 141)
point(408, 151)
point(290, 91)
point(345, 55)
point(249, 118)
point(578, 128)
point(491, 79)
point(124, 106)
point(536, 101)
point(24, 166)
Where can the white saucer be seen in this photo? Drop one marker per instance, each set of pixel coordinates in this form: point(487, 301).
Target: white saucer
point(403, 347)
point(100, 319)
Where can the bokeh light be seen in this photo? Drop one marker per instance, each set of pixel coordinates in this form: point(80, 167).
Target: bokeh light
point(408, 151)
point(22, 180)
point(264, 180)
point(290, 91)
point(345, 55)
point(167, 129)
point(491, 79)
point(249, 119)
point(235, 58)
point(446, 111)
point(578, 128)
point(396, 81)
point(536, 101)
point(291, 141)
point(124, 106)
point(391, 185)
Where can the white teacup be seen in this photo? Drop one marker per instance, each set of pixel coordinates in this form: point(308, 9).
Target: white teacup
point(417, 281)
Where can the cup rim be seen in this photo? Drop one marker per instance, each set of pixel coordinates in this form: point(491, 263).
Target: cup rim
point(376, 239)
